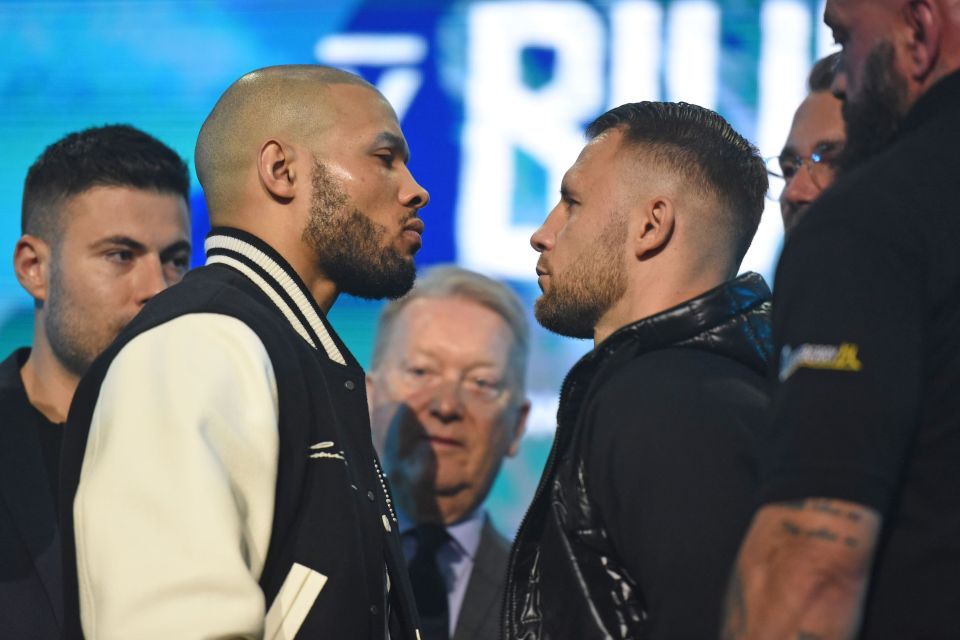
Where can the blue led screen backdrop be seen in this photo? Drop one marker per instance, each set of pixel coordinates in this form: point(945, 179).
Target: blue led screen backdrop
point(492, 95)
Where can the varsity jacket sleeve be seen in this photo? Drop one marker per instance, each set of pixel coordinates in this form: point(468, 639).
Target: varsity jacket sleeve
point(175, 503)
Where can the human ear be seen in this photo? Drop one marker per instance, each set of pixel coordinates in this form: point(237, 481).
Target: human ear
point(31, 263)
point(924, 22)
point(657, 220)
point(279, 170)
point(523, 412)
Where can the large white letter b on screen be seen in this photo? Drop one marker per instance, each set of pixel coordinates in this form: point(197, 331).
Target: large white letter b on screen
point(507, 114)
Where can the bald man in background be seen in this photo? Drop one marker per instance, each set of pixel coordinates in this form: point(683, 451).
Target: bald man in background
point(858, 535)
point(219, 479)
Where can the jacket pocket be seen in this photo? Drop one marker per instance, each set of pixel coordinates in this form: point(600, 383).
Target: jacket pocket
point(296, 597)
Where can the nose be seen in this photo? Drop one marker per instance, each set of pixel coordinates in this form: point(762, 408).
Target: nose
point(412, 194)
point(543, 238)
point(446, 405)
point(801, 188)
point(798, 192)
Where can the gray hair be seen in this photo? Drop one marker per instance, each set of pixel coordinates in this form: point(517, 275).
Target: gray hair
point(450, 281)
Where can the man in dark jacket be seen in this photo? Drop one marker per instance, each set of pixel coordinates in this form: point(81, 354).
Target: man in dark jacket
point(859, 532)
point(105, 227)
point(218, 472)
point(653, 472)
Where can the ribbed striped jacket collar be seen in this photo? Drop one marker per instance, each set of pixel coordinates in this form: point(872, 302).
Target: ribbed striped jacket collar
point(267, 269)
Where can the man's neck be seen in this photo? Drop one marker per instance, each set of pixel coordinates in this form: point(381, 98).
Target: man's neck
point(445, 510)
point(652, 297)
point(320, 286)
point(49, 386)
point(290, 244)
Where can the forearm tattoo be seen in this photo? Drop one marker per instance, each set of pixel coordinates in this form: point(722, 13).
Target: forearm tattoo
point(821, 519)
point(825, 533)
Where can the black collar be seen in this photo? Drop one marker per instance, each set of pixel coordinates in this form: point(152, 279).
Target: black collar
point(714, 318)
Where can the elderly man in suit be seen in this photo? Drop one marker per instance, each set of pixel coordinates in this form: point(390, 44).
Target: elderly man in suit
point(447, 399)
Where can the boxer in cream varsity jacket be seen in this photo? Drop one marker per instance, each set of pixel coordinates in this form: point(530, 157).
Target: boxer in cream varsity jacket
point(219, 477)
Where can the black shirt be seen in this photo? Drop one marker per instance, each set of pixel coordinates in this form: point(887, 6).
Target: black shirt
point(49, 433)
point(672, 466)
point(652, 477)
point(30, 577)
point(51, 439)
point(867, 328)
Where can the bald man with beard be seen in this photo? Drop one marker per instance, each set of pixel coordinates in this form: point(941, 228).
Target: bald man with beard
point(219, 479)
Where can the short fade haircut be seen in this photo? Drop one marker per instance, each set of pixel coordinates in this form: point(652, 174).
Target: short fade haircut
point(448, 281)
point(700, 145)
point(823, 73)
point(115, 155)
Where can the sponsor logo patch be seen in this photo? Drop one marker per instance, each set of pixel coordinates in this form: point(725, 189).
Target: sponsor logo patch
point(842, 357)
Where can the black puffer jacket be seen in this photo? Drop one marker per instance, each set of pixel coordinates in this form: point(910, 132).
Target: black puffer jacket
point(565, 579)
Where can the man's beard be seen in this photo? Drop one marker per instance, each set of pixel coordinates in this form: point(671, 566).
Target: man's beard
point(74, 340)
point(576, 300)
point(873, 120)
point(349, 245)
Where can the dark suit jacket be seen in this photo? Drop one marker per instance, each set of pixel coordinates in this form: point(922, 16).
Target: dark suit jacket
point(480, 612)
point(30, 585)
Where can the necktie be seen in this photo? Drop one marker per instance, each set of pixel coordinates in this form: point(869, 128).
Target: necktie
point(429, 587)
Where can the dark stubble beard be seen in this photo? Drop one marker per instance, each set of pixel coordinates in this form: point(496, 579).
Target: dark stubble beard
point(576, 300)
point(351, 248)
point(74, 340)
point(873, 120)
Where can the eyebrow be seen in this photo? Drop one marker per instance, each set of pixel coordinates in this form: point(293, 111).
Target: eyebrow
point(790, 150)
point(135, 245)
point(123, 241)
point(180, 246)
point(476, 364)
point(393, 142)
point(828, 142)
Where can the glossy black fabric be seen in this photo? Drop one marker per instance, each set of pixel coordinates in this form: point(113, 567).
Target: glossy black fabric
point(652, 477)
point(30, 577)
point(875, 265)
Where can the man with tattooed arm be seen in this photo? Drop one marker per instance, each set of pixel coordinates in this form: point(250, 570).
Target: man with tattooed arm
point(859, 535)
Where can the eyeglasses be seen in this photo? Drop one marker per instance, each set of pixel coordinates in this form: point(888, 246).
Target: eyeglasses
point(474, 388)
point(821, 165)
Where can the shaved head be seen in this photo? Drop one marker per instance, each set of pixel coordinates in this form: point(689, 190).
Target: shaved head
point(290, 102)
